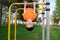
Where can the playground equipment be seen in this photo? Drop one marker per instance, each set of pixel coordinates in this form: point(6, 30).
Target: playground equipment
point(42, 3)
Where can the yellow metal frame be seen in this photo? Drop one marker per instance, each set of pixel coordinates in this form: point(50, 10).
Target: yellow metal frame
point(16, 22)
point(16, 19)
point(10, 8)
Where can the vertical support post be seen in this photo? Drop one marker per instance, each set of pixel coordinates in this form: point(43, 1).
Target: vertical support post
point(47, 22)
point(43, 37)
point(9, 23)
point(15, 25)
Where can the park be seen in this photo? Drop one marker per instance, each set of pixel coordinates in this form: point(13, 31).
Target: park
point(21, 22)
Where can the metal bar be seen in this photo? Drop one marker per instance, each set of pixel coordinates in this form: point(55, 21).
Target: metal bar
point(15, 25)
point(43, 6)
point(15, 22)
point(47, 23)
point(27, 3)
point(9, 15)
point(9, 22)
point(35, 8)
point(23, 8)
point(43, 36)
point(43, 22)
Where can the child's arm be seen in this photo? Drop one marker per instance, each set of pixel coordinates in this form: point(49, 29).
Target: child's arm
point(25, 4)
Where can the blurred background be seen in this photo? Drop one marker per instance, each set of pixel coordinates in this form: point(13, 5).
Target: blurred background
point(22, 33)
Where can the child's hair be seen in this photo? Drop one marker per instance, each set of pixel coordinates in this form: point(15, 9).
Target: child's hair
point(30, 29)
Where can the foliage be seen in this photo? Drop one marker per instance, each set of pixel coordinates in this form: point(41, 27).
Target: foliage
point(55, 17)
point(58, 8)
point(56, 13)
point(8, 2)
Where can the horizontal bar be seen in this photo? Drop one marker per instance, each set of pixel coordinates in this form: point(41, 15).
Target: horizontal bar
point(29, 3)
point(23, 9)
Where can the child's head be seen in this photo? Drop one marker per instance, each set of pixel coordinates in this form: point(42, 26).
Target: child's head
point(29, 25)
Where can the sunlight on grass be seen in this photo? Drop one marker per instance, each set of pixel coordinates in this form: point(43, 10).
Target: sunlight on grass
point(23, 34)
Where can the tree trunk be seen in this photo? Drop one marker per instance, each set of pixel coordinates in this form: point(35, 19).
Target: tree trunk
point(1, 12)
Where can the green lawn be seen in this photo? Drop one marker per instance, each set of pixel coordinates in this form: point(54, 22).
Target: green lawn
point(23, 34)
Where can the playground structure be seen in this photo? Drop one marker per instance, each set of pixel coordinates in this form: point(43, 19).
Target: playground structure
point(47, 17)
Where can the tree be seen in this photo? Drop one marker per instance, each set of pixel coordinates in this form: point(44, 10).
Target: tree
point(7, 3)
point(58, 7)
point(55, 17)
point(1, 2)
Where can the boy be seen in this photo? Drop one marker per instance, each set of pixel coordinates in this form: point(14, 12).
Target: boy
point(29, 16)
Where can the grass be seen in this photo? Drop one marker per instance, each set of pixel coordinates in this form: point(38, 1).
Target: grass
point(23, 34)
point(55, 33)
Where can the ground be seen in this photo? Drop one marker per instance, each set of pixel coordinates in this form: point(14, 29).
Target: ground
point(23, 34)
